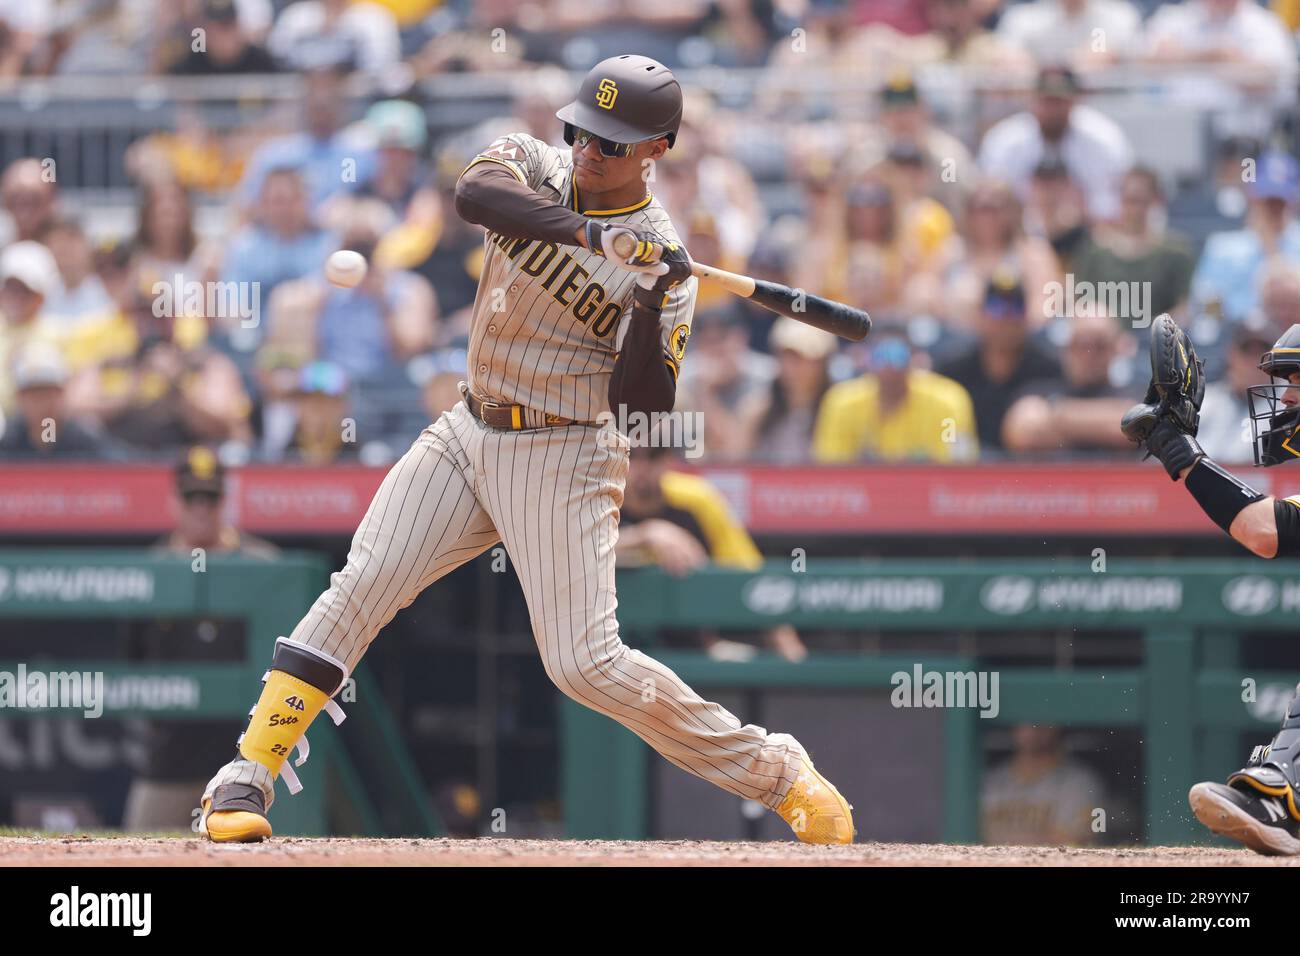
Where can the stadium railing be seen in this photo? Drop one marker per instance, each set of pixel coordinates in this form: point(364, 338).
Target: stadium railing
point(87, 127)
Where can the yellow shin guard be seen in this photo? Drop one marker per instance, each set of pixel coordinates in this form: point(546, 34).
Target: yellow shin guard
point(298, 686)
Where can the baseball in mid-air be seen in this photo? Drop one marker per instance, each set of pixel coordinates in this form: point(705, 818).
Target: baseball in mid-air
point(345, 268)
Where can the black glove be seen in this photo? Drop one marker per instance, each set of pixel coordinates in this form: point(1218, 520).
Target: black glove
point(597, 234)
point(674, 268)
point(1140, 421)
point(1174, 448)
point(1177, 375)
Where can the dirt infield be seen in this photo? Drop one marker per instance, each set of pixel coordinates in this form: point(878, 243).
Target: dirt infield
point(292, 851)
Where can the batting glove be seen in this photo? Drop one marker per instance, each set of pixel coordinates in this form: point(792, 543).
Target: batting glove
point(602, 236)
point(673, 269)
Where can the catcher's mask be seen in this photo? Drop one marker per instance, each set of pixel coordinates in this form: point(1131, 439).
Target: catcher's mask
point(1275, 424)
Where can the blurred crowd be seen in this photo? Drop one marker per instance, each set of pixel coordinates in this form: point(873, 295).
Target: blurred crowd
point(1012, 269)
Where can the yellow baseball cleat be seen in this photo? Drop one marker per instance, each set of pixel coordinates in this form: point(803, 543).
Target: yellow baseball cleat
point(235, 813)
point(815, 810)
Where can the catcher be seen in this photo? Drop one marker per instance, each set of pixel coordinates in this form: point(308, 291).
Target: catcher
point(1258, 805)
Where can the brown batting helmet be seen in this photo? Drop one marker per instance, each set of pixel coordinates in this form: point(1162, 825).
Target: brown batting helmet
point(627, 99)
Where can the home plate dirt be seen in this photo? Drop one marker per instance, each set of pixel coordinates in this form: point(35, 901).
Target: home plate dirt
point(295, 851)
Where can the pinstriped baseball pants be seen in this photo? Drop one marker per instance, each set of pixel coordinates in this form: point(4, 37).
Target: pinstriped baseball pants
point(552, 497)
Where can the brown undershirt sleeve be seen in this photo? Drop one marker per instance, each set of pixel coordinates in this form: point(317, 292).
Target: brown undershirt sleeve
point(490, 195)
point(643, 380)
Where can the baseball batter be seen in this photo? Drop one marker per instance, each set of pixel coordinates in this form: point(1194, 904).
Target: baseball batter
point(564, 332)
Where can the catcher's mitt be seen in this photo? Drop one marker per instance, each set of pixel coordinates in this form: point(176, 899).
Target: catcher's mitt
point(1166, 420)
point(1177, 375)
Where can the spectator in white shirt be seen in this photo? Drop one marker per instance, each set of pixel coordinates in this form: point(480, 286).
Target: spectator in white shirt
point(1093, 148)
point(315, 33)
point(1249, 42)
point(1079, 32)
point(1220, 31)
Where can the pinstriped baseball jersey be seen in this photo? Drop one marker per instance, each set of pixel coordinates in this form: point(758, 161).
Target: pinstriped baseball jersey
point(548, 319)
point(551, 496)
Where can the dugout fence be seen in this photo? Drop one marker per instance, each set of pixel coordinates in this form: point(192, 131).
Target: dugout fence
point(95, 586)
point(1189, 698)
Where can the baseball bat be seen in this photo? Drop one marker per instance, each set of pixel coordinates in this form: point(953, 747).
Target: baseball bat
point(825, 314)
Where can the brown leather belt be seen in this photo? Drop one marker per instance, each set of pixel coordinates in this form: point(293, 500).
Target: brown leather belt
point(511, 417)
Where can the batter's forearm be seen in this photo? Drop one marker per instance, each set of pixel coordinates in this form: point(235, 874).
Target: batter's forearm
point(642, 380)
point(489, 195)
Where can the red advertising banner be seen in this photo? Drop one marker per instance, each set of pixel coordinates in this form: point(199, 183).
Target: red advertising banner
point(138, 499)
point(1010, 499)
point(994, 499)
point(84, 497)
point(292, 500)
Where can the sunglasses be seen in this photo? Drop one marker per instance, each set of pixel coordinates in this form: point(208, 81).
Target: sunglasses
point(892, 354)
point(576, 136)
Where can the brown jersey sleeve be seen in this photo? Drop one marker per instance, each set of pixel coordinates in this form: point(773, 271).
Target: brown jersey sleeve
point(491, 195)
point(642, 380)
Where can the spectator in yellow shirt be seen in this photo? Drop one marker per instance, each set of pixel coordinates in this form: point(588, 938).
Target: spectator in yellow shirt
point(925, 224)
point(876, 240)
point(681, 522)
point(111, 334)
point(896, 412)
